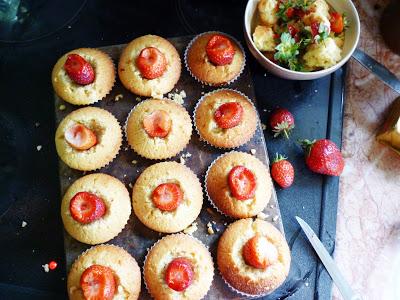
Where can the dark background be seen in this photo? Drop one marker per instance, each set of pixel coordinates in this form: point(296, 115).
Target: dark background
point(29, 185)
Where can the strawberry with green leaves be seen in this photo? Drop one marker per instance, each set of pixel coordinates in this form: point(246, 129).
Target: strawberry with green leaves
point(323, 157)
point(281, 122)
point(282, 171)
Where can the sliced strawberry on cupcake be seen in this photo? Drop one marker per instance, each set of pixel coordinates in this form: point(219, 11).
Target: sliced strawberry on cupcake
point(281, 122)
point(242, 183)
point(151, 63)
point(79, 69)
point(259, 253)
point(80, 137)
point(167, 196)
point(98, 282)
point(86, 207)
point(220, 50)
point(282, 171)
point(228, 115)
point(179, 274)
point(157, 124)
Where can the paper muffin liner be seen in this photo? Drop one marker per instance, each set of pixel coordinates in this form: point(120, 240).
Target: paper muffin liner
point(151, 248)
point(204, 82)
point(215, 91)
point(125, 133)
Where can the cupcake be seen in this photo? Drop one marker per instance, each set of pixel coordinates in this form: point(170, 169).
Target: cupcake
point(149, 66)
point(214, 58)
point(167, 197)
point(95, 208)
point(253, 257)
point(83, 76)
point(238, 185)
point(178, 267)
point(104, 272)
point(158, 129)
point(225, 118)
point(88, 138)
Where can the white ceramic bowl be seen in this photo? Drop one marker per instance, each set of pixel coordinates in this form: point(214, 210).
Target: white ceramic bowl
point(350, 43)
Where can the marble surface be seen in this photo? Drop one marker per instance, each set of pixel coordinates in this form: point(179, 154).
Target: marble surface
point(368, 227)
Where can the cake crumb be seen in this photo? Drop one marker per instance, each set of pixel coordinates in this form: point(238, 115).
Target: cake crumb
point(182, 160)
point(62, 107)
point(118, 97)
point(23, 224)
point(138, 99)
point(275, 218)
point(253, 151)
point(265, 74)
point(130, 185)
point(37, 124)
point(263, 126)
point(210, 230)
point(202, 93)
point(262, 216)
point(124, 175)
point(191, 228)
point(306, 283)
point(126, 148)
point(271, 205)
point(46, 268)
point(264, 110)
point(177, 97)
point(134, 162)
point(39, 147)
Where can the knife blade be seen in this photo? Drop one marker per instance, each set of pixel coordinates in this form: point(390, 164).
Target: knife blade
point(378, 69)
point(328, 262)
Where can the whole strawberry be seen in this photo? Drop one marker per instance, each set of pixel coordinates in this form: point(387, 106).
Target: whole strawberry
point(282, 171)
point(323, 156)
point(281, 122)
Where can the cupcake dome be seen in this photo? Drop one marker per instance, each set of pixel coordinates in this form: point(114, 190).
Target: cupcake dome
point(253, 257)
point(182, 252)
point(120, 274)
point(167, 197)
point(200, 63)
point(134, 66)
point(238, 185)
point(225, 118)
point(158, 129)
point(75, 91)
point(95, 208)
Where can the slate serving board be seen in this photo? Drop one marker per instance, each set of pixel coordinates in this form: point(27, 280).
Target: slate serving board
point(135, 237)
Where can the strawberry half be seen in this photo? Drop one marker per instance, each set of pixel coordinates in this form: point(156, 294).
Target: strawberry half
point(80, 137)
point(79, 70)
point(282, 171)
point(179, 274)
point(228, 115)
point(157, 124)
point(220, 50)
point(259, 253)
point(323, 156)
point(281, 122)
point(86, 207)
point(167, 196)
point(98, 283)
point(151, 63)
point(242, 183)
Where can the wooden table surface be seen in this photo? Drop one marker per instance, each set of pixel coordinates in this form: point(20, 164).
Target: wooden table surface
point(368, 226)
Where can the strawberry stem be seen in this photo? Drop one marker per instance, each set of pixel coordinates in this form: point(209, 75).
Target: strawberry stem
point(279, 157)
point(306, 145)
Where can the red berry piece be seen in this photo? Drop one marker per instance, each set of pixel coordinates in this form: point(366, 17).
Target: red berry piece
point(167, 196)
point(179, 274)
point(242, 183)
point(86, 207)
point(157, 124)
point(259, 253)
point(220, 50)
point(314, 28)
point(337, 23)
point(79, 70)
point(281, 122)
point(98, 283)
point(80, 137)
point(52, 265)
point(151, 63)
point(228, 115)
point(282, 171)
point(323, 156)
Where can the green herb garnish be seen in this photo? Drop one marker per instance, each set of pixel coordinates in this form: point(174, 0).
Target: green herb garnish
point(287, 51)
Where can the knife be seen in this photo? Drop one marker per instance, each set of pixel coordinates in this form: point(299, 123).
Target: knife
point(328, 262)
point(378, 69)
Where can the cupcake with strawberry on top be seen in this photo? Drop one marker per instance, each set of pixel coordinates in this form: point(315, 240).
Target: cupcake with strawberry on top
point(178, 267)
point(214, 58)
point(83, 76)
point(238, 185)
point(88, 138)
point(95, 208)
point(149, 66)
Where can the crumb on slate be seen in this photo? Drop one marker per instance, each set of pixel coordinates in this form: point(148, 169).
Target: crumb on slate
point(253, 151)
point(23, 224)
point(263, 126)
point(191, 228)
point(62, 107)
point(39, 147)
point(134, 162)
point(46, 268)
point(275, 218)
point(177, 97)
point(118, 97)
point(210, 230)
point(262, 216)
